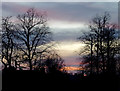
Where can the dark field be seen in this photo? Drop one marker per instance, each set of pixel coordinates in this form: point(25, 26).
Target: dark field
point(37, 81)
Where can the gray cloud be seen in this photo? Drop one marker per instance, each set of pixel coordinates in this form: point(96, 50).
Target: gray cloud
point(67, 34)
point(67, 11)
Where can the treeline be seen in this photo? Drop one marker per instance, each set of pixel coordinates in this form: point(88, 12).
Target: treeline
point(27, 43)
point(102, 52)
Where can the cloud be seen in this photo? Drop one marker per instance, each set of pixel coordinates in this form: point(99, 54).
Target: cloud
point(67, 50)
point(67, 34)
point(66, 19)
point(67, 11)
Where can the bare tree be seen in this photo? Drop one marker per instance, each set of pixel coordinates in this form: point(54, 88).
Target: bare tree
point(32, 32)
point(88, 39)
point(102, 43)
point(7, 42)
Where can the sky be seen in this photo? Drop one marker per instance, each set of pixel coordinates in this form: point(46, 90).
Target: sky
point(67, 21)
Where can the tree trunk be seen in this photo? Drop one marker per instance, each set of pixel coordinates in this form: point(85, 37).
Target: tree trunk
point(91, 57)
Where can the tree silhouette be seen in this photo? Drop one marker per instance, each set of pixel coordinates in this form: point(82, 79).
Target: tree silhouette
point(31, 32)
point(54, 63)
point(7, 42)
point(101, 43)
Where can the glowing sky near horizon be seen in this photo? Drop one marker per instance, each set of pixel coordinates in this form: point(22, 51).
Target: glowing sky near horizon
point(66, 20)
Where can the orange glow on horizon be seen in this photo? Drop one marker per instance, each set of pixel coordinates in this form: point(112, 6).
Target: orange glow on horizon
point(71, 68)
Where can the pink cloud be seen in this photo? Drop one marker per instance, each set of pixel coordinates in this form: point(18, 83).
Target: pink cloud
point(17, 8)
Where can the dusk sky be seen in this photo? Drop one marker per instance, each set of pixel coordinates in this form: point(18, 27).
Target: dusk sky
point(66, 20)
